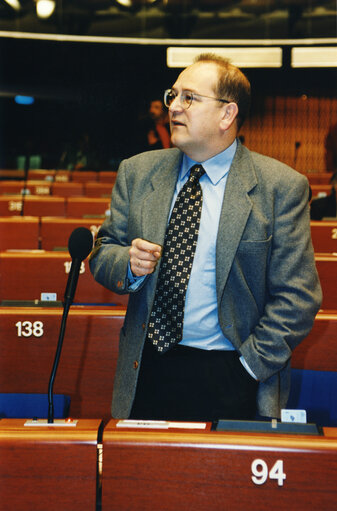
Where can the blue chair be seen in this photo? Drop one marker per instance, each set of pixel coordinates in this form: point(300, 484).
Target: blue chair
point(315, 392)
point(28, 406)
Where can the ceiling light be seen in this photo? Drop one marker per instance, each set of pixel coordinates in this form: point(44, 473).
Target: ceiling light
point(320, 56)
point(241, 57)
point(14, 3)
point(45, 8)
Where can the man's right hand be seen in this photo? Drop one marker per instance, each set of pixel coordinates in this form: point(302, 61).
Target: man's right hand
point(144, 256)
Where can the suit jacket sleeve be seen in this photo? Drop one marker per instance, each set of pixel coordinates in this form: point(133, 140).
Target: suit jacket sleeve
point(110, 256)
point(293, 293)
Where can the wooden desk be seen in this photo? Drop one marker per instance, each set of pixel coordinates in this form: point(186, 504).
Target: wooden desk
point(318, 351)
point(33, 187)
point(81, 207)
point(55, 232)
point(48, 468)
point(98, 189)
point(19, 232)
point(327, 270)
point(317, 178)
point(320, 190)
point(181, 470)
point(27, 274)
point(82, 176)
point(28, 341)
point(64, 189)
point(324, 236)
point(33, 205)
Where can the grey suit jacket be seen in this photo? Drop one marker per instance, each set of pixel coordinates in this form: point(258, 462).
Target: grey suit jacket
point(267, 285)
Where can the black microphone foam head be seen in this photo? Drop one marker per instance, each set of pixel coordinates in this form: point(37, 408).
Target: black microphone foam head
point(80, 243)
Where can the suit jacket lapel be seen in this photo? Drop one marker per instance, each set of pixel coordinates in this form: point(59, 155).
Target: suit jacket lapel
point(235, 211)
point(156, 204)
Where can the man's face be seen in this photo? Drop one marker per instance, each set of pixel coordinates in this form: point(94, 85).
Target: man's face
point(196, 131)
point(156, 110)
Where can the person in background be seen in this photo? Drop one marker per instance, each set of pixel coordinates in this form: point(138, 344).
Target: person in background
point(153, 131)
point(212, 243)
point(330, 144)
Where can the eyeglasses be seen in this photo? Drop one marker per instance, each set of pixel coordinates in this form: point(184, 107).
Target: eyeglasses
point(186, 98)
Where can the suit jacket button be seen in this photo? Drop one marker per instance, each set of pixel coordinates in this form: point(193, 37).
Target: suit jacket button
point(135, 364)
point(120, 283)
point(143, 326)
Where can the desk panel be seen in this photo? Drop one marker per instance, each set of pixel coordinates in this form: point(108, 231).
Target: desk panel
point(55, 232)
point(19, 232)
point(33, 205)
point(46, 468)
point(320, 190)
point(327, 270)
point(81, 207)
point(28, 341)
point(27, 274)
point(172, 470)
point(318, 351)
point(324, 236)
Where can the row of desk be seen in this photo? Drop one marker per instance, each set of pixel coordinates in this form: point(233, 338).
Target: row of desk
point(173, 467)
point(75, 176)
point(57, 188)
point(106, 176)
point(87, 367)
point(50, 232)
point(90, 188)
point(34, 205)
point(42, 275)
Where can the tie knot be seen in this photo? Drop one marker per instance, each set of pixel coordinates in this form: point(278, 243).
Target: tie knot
point(196, 172)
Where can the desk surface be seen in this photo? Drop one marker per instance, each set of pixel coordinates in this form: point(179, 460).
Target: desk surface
point(49, 467)
point(186, 470)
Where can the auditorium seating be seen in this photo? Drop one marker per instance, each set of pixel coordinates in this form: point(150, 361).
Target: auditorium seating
point(327, 270)
point(320, 190)
point(87, 366)
point(324, 236)
point(19, 232)
point(32, 274)
point(33, 187)
point(95, 189)
point(84, 207)
point(55, 232)
point(33, 205)
point(318, 178)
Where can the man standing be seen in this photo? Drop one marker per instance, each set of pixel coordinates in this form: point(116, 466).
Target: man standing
point(213, 244)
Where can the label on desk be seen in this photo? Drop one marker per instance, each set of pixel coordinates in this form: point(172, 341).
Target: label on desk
point(134, 423)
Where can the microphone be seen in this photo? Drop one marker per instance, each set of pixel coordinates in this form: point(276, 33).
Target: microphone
point(79, 245)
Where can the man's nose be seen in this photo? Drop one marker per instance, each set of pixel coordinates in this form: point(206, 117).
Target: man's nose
point(176, 106)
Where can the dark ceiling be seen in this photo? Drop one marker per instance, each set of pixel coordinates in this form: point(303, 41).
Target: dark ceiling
point(205, 19)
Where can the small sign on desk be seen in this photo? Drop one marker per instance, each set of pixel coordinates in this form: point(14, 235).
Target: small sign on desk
point(135, 423)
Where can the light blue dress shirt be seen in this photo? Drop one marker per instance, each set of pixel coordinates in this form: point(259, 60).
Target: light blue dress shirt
point(201, 324)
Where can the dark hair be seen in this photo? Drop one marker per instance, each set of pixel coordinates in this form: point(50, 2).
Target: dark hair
point(232, 85)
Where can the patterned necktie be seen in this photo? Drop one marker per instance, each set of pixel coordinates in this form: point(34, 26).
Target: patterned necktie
point(166, 320)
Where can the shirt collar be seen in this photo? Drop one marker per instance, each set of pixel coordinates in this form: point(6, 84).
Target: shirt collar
point(216, 167)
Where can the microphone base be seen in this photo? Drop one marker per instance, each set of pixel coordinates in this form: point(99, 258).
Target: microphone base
point(67, 423)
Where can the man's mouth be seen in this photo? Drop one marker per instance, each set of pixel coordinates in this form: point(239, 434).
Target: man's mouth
point(175, 123)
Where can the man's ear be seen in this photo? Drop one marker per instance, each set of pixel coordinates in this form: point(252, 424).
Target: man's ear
point(230, 113)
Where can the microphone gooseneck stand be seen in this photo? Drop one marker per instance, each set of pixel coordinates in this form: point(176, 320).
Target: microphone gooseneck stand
point(80, 245)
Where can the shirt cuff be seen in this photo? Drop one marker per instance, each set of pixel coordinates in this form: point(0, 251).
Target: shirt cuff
point(133, 282)
point(248, 369)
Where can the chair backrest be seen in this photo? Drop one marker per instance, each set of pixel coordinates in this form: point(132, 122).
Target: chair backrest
point(22, 406)
point(315, 392)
